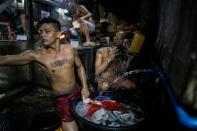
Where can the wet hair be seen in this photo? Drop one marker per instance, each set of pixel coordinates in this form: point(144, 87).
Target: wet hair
point(122, 51)
point(49, 21)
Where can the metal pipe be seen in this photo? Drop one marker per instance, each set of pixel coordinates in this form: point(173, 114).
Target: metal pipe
point(29, 22)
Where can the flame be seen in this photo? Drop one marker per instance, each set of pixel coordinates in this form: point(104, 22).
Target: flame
point(62, 36)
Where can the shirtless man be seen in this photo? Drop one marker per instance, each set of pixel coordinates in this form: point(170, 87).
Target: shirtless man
point(110, 64)
point(120, 39)
point(83, 20)
point(58, 63)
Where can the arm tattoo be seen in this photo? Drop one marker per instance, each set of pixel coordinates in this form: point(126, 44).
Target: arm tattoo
point(35, 52)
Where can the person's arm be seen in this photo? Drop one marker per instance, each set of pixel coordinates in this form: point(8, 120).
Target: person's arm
point(100, 64)
point(82, 75)
point(83, 9)
point(130, 58)
point(20, 59)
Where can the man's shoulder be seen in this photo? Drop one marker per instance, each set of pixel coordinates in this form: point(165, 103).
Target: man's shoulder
point(68, 47)
point(103, 49)
point(31, 53)
point(99, 50)
point(38, 51)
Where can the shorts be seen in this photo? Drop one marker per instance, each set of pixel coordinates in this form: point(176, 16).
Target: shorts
point(89, 25)
point(64, 105)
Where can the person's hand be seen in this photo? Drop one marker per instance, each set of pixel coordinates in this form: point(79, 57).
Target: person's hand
point(113, 52)
point(76, 24)
point(85, 92)
point(79, 20)
point(126, 43)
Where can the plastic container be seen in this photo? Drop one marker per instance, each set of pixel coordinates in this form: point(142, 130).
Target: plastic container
point(90, 126)
point(136, 43)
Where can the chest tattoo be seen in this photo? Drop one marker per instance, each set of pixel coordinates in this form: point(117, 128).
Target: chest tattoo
point(58, 63)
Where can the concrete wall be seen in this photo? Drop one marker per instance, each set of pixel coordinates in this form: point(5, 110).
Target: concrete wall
point(12, 76)
point(176, 41)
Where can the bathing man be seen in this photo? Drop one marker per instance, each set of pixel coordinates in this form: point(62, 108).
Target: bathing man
point(111, 62)
point(57, 60)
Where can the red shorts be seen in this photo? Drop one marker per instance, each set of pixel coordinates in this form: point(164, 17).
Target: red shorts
point(64, 104)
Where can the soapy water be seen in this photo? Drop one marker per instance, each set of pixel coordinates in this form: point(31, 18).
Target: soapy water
point(132, 115)
point(115, 115)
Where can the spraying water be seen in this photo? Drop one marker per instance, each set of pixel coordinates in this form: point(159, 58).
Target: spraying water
point(126, 74)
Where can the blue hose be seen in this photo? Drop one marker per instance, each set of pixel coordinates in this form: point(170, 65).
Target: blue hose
point(184, 118)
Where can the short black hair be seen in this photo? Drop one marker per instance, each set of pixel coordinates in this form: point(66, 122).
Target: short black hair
point(49, 20)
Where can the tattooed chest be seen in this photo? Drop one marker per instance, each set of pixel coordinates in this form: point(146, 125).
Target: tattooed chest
point(59, 63)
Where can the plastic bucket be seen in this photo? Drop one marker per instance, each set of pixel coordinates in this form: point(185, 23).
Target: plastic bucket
point(90, 126)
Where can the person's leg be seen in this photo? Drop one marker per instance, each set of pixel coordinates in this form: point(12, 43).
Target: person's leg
point(63, 108)
point(125, 84)
point(85, 31)
point(69, 126)
point(128, 84)
point(68, 123)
